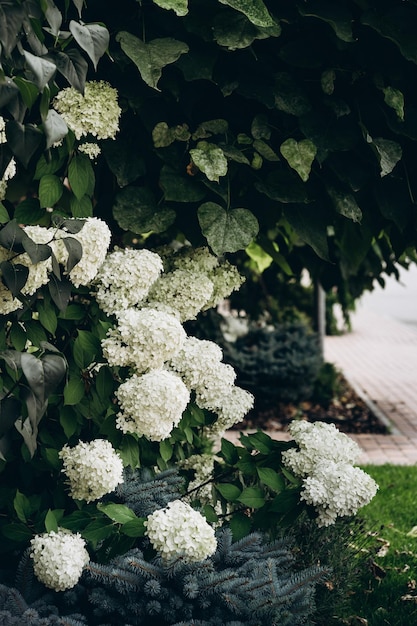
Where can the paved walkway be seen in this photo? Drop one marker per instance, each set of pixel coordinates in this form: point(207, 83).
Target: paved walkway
point(379, 359)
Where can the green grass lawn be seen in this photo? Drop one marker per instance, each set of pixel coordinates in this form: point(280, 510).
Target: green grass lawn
point(387, 595)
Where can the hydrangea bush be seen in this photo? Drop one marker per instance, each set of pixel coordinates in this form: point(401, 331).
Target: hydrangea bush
point(98, 374)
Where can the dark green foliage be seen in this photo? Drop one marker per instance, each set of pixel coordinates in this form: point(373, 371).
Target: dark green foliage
point(327, 384)
point(278, 364)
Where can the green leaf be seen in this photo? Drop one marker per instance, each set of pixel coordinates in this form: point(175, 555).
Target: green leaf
point(283, 186)
point(23, 140)
point(253, 497)
point(22, 506)
point(166, 450)
point(389, 154)
point(4, 216)
point(119, 513)
point(86, 348)
point(150, 58)
point(179, 188)
point(82, 207)
point(262, 259)
point(310, 226)
point(135, 209)
point(240, 525)
point(299, 155)
point(209, 513)
point(327, 81)
point(227, 231)
point(72, 65)
point(394, 98)
point(261, 441)
point(74, 391)
point(75, 252)
point(54, 127)
point(229, 452)
point(255, 11)
point(336, 15)
point(210, 159)
point(93, 38)
point(228, 491)
point(11, 20)
point(345, 204)
point(271, 478)
point(68, 420)
point(14, 276)
point(289, 95)
point(134, 528)
point(29, 212)
point(396, 24)
point(42, 69)
point(124, 160)
point(98, 530)
point(81, 175)
point(47, 317)
point(50, 190)
point(28, 91)
point(17, 532)
point(129, 451)
point(10, 408)
point(51, 522)
point(18, 337)
point(264, 150)
point(60, 291)
point(180, 7)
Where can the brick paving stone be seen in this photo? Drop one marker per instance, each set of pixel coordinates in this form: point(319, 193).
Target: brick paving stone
point(379, 358)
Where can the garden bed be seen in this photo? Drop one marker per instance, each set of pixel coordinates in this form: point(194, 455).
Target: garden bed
point(347, 410)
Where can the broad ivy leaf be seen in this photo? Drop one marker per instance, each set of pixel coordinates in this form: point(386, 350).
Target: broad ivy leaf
point(150, 58)
point(50, 190)
point(124, 160)
point(283, 186)
point(162, 135)
point(179, 188)
point(388, 152)
point(23, 140)
point(396, 24)
point(135, 209)
point(180, 7)
point(72, 65)
point(255, 11)
point(394, 98)
point(235, 32)
point(345, 204)
point(227, 231)
point(93, 38)
point(42, 69)
point(310, 226)
point(336, 15)
point(289, 95)
point(54, 128)
point(11, 20)
point(264, 150)
point(210, 159)
point(262, 259)
point(299, 155)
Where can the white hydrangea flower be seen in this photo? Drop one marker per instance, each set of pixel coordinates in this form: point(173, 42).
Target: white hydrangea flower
point(9, 172)
point(194, 359)
point(151, 405)
point(94, 238)
point(188, 258)
point(8, 304)
point(94, 113)
point(182, 290)
point(225, 279)
point(143, 339)
point(59, 558)
point(337, 489)
point(92, 150)
point(38, 272)
point(125, 278)
point(318, 441)
point(93, 469)
point(178, 531)
point(231, 407)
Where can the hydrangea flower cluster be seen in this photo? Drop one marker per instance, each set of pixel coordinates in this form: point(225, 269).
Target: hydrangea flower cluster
point(93, 469)
point(94, 238)
point(58, 559)
point(91, 149)
point(152, 404)
point(178, 531)
point(116, 289)
point(200, 486)
point(148, 336)
point(324, 460)
point(198, 362)
point(95, 113)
